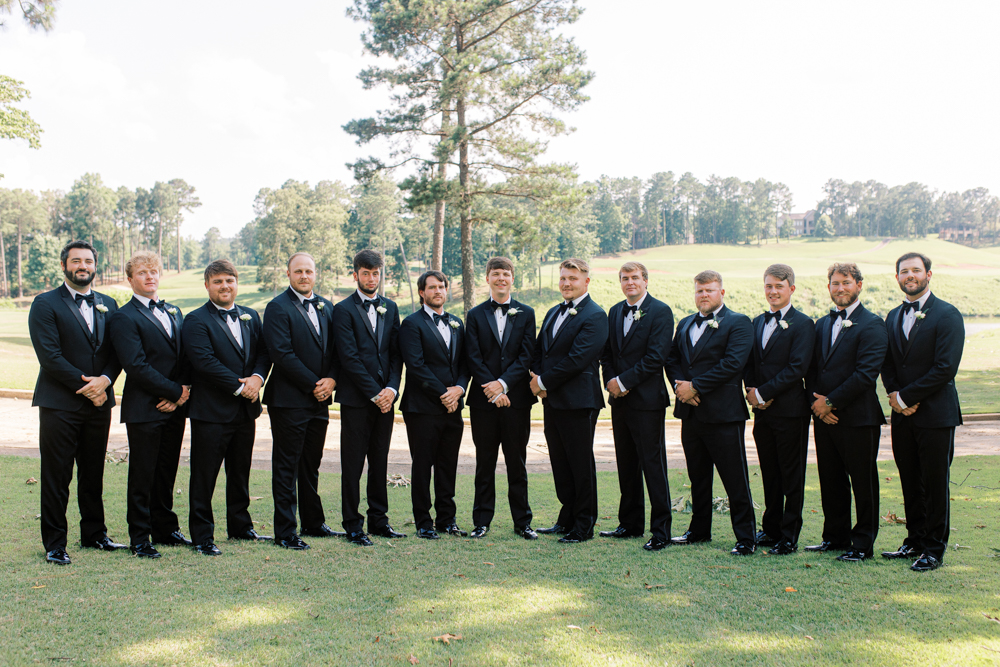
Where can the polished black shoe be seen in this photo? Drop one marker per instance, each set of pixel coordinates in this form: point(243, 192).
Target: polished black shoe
point(453, 529)
point(526, 532)
point(360, 538)
point(387, 531)
point(479, 531)
point(573, 537)
point(854, 556)
point(743, 549)
point(58, 556)
point(656, 544)
point(251, 535)
point(783, 548)
point(925, 563)
point(828, 546)
point(556, 529)
point(765, 540)
point(144, 550)
point(293, 542)
point(174, 539)
point(323, 530)
point(104, 544)
point(620, 532)
point(905, 551)
point(688, 538)
point(207, 549)
point(428, 534)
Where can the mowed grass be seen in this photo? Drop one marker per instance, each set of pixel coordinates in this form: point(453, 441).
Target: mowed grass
point(513, 602)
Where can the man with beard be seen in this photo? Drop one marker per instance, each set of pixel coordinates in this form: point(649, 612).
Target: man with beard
point(926, 336)
point(146, 333)
point(366, 335)
point(74, 394)
point(848, 353)
point(297, 331)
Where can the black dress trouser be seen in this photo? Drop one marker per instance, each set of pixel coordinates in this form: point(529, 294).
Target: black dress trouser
point(845, 456)
point(434, 443)
point(213, 445)
point(493, 429)
point(299, 436)
point(569, 435)
point(782, 443)
point(365, 434)
point(923, 456)
point(641, 453)
point(154, 452)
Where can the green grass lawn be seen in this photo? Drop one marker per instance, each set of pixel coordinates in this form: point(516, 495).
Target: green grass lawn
point(512, 602)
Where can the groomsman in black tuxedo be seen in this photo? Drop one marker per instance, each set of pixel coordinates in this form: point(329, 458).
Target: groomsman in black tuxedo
point(926, 338)
point(74, 394)
point(366, 335)
point(705, 366)
point(432, 343)
point(229, 362)
point(500, 343)
point(782, 351)
point(298, 333)
point(638, 345)
point(146, 333)
point(566, 377)
point(848, 353)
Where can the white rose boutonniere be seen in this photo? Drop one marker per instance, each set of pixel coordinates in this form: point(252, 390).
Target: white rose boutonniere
point(381, 310)
point(511, 312)
point(713, 324)
point(848, 324)
point(171, 310)
point(101, 308)
point(920, 315)
point(245, 317)
point(320, 305)
point(454, 324)
point(573, 311)
point(638, 315)
point(783, 324)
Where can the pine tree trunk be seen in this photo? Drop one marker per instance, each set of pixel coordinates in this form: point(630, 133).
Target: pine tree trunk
point(468, 279)
point(409, 281)
point(4, 291)
point(437, 247)
point(178, 246)
point(20, 280)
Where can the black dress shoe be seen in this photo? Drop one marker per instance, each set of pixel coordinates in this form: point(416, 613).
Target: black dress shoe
point(925, 563)
point(323, 530)
point(656, 544)
point(144, 550)
point(293, 542)
point(854, 556)
point(360, 539)
point(556, 529)
point(829, 546)
point(765, 540)
point(428, 534)
point(743, 549)
point(479, 531)
point(174, 539)
point(905, 551)
point(526, 532)
point(783, 548)
point(104, 544)
point(620, 532)
point(207, 549)
point(387, 531)
point(573, 537)
point(251, 535)
point(453, 529)
point(688, 538)
point(58, 556)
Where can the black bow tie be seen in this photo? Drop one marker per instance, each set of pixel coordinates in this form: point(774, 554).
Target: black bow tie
point(369, 303)
point(153, 305)
point(232, 313)
point(699, 318)
point(907, 306)
point(631, 309)
point(89, 298)
point(502, 306)
point(564, 306)
point(842, 314)
point(768, 315)
point(310, 302)
point(441, 318)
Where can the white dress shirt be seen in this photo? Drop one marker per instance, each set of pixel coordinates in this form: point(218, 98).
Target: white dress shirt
point(85, 309)
point(372, 315)
point(310, 310)
point(770, 328)
point(501, 318)
point(838, 323)
point(559, 322)
point(442, 326)
point(695, 331)
point(908, 321)
point(162, 316)
point(234, 325)
point(629, 319)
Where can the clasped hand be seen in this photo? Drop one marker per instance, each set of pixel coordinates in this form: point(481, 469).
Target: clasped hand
point(896, 407)
point(686, 393)
point(451, 397)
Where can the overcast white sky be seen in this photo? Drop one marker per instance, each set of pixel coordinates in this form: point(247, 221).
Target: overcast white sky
point(797, 92)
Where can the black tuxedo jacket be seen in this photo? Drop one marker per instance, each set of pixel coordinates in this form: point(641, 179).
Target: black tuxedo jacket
point(430, 366)
point(922, 368)
point(568, 363)
point(154, 362)
point(369, 360)
point(66, 349)
point(301, 357)
point(778, 371)
point(714, 367)
point(637, 359)
point(218, 362)
point(845, 372)
point(509, 359)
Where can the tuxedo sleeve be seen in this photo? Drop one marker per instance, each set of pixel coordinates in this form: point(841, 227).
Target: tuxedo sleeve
point(949, 341)
point(278, 336)
point(128, 345)
point(44, 332)
point(799, 358)
point(412, 350)
point(113, 368)
point(890, 379)
point(331, 342)
point(347, 351)
point(586, 349)
point(673, 366)
point(517, 372)
point(262, 357)
point(473, 352)
point(607, 357)
point(395, 358)
point(872, 347)
point(660, 332)
point(200, 353)
point(734, 359)
point(463, 363)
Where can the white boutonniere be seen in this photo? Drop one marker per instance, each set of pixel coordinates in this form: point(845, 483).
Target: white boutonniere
point(783, 324)
point(454, 324)
point(101, 308)
point(713, 324)
point(171, 310)
point(511, 312)
point(245, 317)
point(920, 315)
point(638, 315)
point(381, 310)
point(848, 324)
point(319, 305)
point(573, 311)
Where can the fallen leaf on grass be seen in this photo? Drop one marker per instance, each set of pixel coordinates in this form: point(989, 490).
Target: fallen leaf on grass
point(992, 618)
point(810, 638)
point(808, 565)
point(31, 480)
point(413, 660)
point(892, 518)
point(574, 627)
point(650, 587)
point(888, 479)
point(789, 589)
point(256, 497)
point(314, 615)
point(446, 638)
point(458, 575)
point(37, 587)
point(979, 525)
point(486, 562)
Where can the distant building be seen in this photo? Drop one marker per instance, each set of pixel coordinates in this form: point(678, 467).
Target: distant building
point(802, 224)
point(961, 234)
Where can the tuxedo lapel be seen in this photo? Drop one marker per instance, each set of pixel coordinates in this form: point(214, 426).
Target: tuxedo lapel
point(491, 321)
point(148, 314)
point(434, 330)
point(777, 331)
point(636, 323)
point(617, 320)
point(685, 338)
point(245, 331)
point(364, 316)
point(379, 328)
point(895, 326)
point(706, 335)
point(223, 324)
point(297, 304)
point(843, 332)
point(99, 321)
point(908, 341)
point(511, 322)
point(453, 347)
point(70, 302)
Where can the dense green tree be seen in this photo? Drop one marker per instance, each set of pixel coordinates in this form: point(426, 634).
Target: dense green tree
point(23, 218)
point(824, 227)
point(213, 246)
point(187, 200)
point(43, 269)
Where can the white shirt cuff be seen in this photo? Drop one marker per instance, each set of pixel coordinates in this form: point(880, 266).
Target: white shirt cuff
point(540, 385)
point(756, 393)
point(899, 399)
point(238, 391)
point(108, 379)
point(621, 387)
point(502, 384)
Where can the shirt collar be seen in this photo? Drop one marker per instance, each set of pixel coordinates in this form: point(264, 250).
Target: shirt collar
point(509, 299)
point(73, 291)
point(576, 302)
point(220, 307)
point(640, 302)
point(144, 300)
point(301, 298)
point(784, 311)
point(365, 297)
point(430, 311)
point(851, 308)
point(922, 300)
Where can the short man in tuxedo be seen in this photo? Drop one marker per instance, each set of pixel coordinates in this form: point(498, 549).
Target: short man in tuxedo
point(500, 344)
point(298, 326)
point(640, 330)
point(366, 335)
point(848, 353)
point(926, 337)
point(782, 351)
point(432, 343)
point(146, 333)
point(229, 361)
point(705, 366)
point(74, 394)
point(566, 377)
